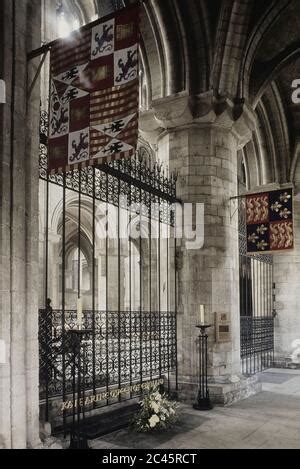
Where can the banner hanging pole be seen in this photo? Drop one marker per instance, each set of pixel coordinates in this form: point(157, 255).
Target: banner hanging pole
point(40, 51)
point(237, 197)
point(38, 72)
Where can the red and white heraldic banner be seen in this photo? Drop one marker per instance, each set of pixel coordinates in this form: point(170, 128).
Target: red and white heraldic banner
point(94, 93)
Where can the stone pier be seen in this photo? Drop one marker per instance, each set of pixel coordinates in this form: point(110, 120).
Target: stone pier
point(19, 133)
point(204, 153)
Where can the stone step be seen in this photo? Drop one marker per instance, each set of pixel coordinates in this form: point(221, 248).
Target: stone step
point(108, 420)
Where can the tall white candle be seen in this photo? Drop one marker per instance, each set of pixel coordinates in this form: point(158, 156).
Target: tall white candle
point(201, 314)
point(79, 313)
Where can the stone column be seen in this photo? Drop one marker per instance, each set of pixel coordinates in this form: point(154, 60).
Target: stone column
point(287, 322)
point(101, 282)
point(204, 153)
point(54, 290)
point(112, 269)
point(19, 135)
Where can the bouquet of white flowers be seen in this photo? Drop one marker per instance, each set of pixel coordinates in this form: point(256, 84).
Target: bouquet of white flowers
point(157, 413)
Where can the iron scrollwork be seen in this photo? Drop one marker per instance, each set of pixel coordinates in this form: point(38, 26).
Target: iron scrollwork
point(142, 180)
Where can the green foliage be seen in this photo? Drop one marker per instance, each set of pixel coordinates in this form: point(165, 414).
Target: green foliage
point(157, 413)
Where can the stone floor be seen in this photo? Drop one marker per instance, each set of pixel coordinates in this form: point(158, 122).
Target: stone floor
point(270, 419)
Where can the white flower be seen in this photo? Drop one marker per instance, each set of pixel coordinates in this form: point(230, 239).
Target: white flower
point(157, 396)
point(163, 418)
point(153, 420)
point(155, 407)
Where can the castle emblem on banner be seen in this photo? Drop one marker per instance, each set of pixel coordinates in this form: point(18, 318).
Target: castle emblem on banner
point(269, 218)
point(94, 93)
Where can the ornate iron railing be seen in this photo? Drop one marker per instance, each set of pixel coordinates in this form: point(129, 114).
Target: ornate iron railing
point(140, 179)
point(125, 347)
point(257, 343)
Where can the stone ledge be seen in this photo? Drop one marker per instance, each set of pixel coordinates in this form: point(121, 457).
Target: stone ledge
point(221, 393)
point(228, 393)
point(50, 443)
point(285, 363)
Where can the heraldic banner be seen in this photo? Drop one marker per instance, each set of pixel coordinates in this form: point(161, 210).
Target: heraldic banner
point(94, 93)
point(269, 218)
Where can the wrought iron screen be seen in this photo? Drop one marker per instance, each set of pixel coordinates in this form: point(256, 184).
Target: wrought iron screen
point(127, 286)
point(256, 305)
point(124, 348)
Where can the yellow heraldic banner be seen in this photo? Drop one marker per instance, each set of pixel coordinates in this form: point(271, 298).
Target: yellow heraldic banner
point(269, 218)
point(94, 93)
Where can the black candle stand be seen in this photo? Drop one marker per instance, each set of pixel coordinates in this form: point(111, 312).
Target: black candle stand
point(203, 400)
point(78, 439)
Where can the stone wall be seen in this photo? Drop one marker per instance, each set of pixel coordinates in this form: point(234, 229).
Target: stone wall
point(19, 134)
point(287, 322)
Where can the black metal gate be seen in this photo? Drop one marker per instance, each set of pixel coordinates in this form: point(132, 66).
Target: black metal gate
point(256, 305)
point(125, 287)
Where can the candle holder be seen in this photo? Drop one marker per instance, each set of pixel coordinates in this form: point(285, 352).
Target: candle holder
point(78, 438)
point(203, 400)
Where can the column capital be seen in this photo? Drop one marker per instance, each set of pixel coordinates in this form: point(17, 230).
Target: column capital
point(207, 109)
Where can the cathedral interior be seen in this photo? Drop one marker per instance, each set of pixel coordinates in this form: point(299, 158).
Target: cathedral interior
point(218, 119)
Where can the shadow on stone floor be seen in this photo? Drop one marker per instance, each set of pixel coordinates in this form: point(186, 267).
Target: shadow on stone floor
point(275, 378)
point(131, 439)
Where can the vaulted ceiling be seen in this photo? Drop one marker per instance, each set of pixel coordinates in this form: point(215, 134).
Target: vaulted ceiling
point(245, 50)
